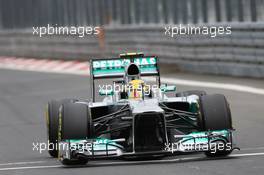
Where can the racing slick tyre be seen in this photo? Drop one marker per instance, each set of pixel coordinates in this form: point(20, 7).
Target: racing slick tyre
point(216, 115)
point(75, 122)
point(52, 118)
point(192, 92)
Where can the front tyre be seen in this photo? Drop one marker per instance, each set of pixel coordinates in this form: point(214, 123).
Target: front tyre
point(75, 123)
point(215, 112)
point(216, 115)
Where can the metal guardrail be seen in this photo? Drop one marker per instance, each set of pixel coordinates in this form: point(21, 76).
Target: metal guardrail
point(238, 54)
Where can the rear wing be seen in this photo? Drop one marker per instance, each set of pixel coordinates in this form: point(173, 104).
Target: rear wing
point(116, 67)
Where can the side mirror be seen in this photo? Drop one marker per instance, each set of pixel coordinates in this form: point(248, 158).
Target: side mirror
point(166, 88)
point(103, 92)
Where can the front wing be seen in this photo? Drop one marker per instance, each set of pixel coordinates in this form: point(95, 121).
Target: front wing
point(183, 144)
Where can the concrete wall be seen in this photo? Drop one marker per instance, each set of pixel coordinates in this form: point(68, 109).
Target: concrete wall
point(239, 54)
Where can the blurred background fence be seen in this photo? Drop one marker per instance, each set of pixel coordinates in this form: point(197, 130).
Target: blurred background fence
point(138, 25)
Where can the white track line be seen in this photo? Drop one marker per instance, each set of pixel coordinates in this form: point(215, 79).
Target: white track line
point(30, 167)
point(226, 86)
point(129, 162)
point(21, 163)
point(246, 154)
point(252, 148)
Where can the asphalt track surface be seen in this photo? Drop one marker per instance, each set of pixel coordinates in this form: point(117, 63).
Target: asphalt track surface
point(23, 96)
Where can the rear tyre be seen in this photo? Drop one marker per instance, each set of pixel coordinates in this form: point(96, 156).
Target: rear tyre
point(52, 118)
point(76, 123)
point(191, 92)
point(216, 115)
